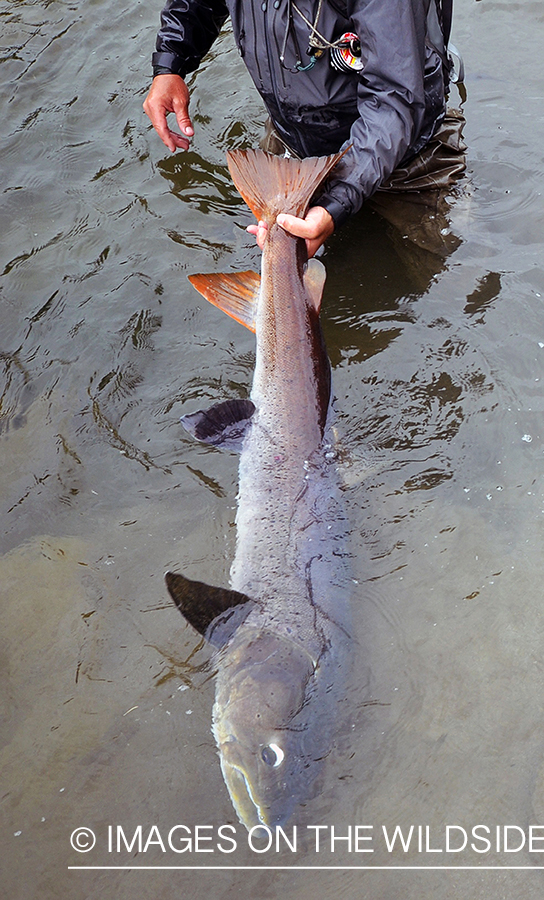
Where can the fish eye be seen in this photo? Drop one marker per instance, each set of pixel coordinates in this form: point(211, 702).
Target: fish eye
point(272, 755)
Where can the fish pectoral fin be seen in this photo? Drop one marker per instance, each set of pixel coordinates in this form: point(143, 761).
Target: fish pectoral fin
point(222, 425)
point(235, 293)
point(214, 612)
point(314, 281)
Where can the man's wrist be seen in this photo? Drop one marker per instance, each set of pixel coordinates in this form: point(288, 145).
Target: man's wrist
point(166, 63)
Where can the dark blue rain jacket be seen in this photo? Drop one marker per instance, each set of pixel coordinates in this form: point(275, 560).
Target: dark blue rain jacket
point(387, 112)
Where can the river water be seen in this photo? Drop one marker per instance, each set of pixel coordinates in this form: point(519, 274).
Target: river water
point(437, 365)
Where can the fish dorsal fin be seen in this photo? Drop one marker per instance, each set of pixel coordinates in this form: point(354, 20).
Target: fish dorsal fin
point(314, 281)
point(235, 293)
point(214, 612)
point(277, 184)
point(222, 425)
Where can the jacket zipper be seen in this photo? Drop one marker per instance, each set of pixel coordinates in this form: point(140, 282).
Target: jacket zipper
point(289, 127)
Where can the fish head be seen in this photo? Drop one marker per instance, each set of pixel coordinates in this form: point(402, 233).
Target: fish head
point(266, 736)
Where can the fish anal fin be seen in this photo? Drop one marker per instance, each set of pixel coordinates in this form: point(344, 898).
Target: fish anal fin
point(277, 184)
point(235, 293)
point(222, 425)
point(315, 275)
point(214, 612)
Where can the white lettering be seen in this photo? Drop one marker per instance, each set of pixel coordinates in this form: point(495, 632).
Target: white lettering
point(202, 837)
point(427, 836)
point(137, 837)
point(508, 828)
point(226, 837)
point(317, 829)
point(398, 833)
point(341, 837)
point(185, 843)
point(363, 837)
point(449, 829)
point(261, 829)
point(479, 838)
point(154, 840)
point(292, 845)
point(535, 837)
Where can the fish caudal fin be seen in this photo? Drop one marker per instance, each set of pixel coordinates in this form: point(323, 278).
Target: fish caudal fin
point(276, 184)
point(236, 294)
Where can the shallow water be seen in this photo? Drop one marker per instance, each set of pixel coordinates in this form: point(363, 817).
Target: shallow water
point(106, 695)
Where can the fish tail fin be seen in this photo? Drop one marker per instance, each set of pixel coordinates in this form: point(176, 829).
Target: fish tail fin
point(276, 184)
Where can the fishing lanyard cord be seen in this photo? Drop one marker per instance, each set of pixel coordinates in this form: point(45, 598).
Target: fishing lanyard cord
point(316, 42)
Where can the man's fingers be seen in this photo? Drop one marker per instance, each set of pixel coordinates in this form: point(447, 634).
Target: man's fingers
point(315, 228)
point(168, 137)
point(168, 94)
point(298, 227)
point(179, 141)
point(171, 139)
point(260, 232)
point(185, 126)
point(183, 119)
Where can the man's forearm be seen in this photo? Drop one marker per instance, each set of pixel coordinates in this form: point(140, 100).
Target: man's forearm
point(188, 30)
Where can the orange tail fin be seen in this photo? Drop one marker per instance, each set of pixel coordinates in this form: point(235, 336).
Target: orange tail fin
point(276, 184)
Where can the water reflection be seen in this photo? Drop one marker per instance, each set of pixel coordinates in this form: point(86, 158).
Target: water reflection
point(486, 291)
point(420, 231)
point(17, 391)
point(201, 184)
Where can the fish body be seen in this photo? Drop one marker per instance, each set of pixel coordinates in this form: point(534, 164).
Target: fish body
point(282, 631)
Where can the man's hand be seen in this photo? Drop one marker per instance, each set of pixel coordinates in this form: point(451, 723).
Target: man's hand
point(315, 228)
point(168, 94)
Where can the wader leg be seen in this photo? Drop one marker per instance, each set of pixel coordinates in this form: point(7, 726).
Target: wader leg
point(415, 200)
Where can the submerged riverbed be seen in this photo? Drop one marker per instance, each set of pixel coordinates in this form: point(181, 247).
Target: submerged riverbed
point(437, 370)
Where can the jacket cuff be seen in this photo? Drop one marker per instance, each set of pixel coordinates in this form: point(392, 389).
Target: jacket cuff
point(166, 63)
point(335, 208)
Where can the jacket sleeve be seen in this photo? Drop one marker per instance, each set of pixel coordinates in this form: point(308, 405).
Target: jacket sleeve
point(188, 30)
point(391, 100)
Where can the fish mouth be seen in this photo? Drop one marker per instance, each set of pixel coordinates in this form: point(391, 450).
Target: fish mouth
point(249, 810)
